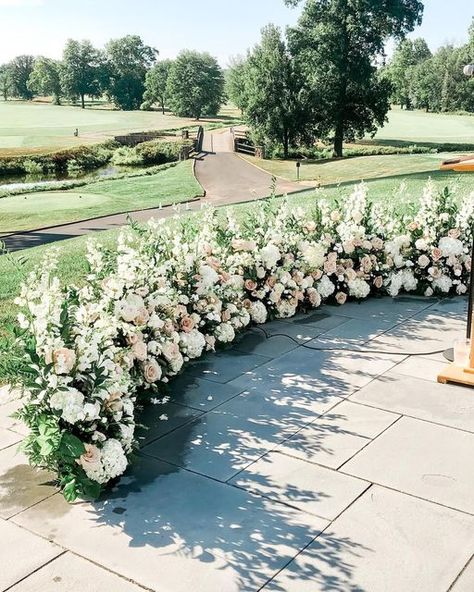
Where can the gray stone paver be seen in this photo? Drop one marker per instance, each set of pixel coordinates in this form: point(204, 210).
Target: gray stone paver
point(225, 366)
point(465, 582)
point(310, 488)
point(424, 459)
point(427, 331)
point(337, 435)
point(254, 341)
point(220, 498)
point(7, 409)
point(299, 331)
point(8, 438)
point(222, 442)
point(171, 530)
point(385, 542)
point(200, 393)
point(445, 404)
point(20, 485)
point(159, 420)
point(21, 553)
point(70, 573)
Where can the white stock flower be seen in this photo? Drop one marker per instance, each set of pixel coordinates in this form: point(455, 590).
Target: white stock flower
point(270, 256)
point(314, 254)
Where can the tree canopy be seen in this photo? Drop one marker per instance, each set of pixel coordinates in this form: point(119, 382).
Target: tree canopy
point(407, 55)
point(336, 43)
point(195, 85)
point(45, 78)
point(272, 93)
point(20, 70)
point(81, 70)
point(127, 62)
point(155, 85)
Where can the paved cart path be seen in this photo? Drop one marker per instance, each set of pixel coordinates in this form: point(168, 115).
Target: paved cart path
point(226, 178)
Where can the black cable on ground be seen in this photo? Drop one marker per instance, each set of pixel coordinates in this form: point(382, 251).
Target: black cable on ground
point(347, 349)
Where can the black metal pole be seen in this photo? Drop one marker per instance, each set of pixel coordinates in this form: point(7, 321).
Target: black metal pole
point(471, 294)
point(449, 353)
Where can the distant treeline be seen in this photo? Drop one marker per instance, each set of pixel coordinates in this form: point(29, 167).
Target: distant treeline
point(432, 81)
point(126, 71)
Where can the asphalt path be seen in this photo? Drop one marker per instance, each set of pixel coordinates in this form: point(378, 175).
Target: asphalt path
point(226, 178)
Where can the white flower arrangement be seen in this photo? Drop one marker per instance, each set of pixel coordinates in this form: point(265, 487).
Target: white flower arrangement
point(169, 293)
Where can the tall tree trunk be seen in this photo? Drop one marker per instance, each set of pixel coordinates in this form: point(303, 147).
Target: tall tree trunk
point(83, 106)
point(340, 123)
point(339, 138)
point(286, 144)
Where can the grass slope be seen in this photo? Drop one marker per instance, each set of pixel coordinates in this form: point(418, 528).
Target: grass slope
point(46, 208)
point(389, 177)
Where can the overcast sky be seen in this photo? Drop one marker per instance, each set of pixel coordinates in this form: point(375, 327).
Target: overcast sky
point(222, 27)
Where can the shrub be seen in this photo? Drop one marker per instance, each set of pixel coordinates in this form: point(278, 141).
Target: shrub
point(31, 167)
point(85, 157)
point(126, 156)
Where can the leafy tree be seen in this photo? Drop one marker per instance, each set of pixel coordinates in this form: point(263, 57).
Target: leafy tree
point(45, 78)
point(128, 60)
point(426, 86)
point(81, 70)
point(408, 54)
point(155, 85)
point(6, 82)
point(272, 98)
point(337, 43)
point(235, 82)
point(195, 85)
point(21, 68)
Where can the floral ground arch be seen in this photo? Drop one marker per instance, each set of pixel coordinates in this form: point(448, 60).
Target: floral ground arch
point(172, 291)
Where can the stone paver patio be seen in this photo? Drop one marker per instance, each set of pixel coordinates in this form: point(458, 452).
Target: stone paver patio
point(280, 469)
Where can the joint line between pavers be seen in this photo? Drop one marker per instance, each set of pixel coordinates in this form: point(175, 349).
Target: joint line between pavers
point(418, 497)
point(56, 492)
point(370, 442)
point(35, 570)
point(402, 414)
point(314, 539)
point(458, 577)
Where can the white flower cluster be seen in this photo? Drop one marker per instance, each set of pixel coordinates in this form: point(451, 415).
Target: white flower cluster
point(171, 292)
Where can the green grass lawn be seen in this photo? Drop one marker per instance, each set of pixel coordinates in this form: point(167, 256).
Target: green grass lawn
point(418, 127)
point(353, 169)
point(399, 177)
point(28, 127)
point(46, 208)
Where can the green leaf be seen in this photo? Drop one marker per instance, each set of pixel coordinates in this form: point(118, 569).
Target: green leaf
point(71, 447)
point(91, 489)
point(70, 490)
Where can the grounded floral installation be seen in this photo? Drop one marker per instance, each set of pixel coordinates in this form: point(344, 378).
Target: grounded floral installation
point(94, 355)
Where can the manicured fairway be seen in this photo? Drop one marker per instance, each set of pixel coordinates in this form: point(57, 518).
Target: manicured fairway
point(418, 127)
point(36, 210)
point(29, 127)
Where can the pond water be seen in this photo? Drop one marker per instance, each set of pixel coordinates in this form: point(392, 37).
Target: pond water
point(14, 182)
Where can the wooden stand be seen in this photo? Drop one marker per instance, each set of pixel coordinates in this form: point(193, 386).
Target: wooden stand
point(459, 375)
